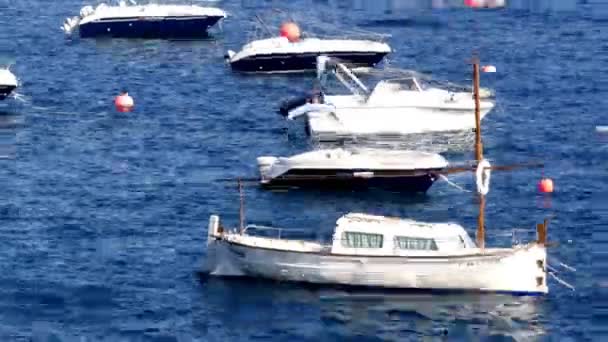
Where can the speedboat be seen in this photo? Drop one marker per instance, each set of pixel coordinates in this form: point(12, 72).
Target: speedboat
point(355, 168)
point(292, 53)
point(8, 82)
point(408, 104)
point(129, 20)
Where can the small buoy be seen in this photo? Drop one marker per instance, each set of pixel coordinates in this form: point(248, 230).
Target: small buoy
point(488, 68)
point(123, 102)
point(291, 31)
point(473, 3)
point(545, 185)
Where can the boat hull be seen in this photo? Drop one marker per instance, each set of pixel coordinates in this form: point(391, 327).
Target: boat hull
point(6, 90)
point(388, 121)
point(515, 272)
point(302, 62)
point(418, 182)
point(156, 27)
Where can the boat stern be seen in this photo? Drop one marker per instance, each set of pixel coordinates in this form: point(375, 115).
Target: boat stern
point(524, 272)
point(219, 260)
point(265, 165)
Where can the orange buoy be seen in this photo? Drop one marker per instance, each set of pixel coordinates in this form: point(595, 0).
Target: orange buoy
point(291, 31)
point(123, 102)
point(545, 185)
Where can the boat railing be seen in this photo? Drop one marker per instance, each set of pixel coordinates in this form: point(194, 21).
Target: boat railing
point(278, 233)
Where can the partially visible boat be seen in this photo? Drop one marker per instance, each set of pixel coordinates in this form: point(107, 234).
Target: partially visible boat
point(408, 104)
point(130, 20)
point(284, 54)
point(354, 168)
point(8, 82)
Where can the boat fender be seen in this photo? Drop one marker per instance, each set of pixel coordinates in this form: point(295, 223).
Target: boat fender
point(482, 176)
point(292, 103)
point(310, 107)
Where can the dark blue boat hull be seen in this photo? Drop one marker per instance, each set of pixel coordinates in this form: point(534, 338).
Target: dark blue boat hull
point(167, 27)
point(303, 62)
point(419, 182)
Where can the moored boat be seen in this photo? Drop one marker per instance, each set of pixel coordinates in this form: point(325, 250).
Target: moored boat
point(290, 52)
point(130, 20)
point(408, 104)
point(353, 168)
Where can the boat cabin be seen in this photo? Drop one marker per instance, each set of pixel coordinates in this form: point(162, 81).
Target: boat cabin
point(362, 234)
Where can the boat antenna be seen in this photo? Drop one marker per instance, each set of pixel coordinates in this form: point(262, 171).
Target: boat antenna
point(241, 206)
point(264, 26)
point(478, 152)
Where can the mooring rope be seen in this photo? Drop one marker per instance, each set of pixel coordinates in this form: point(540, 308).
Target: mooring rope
point(561, 281)
point(453, 184)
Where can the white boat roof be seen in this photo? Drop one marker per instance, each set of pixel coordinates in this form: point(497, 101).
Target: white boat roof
point(365, 158)
point(7, 78)
point(104, 11)
point(365, 223)
point(281, 45)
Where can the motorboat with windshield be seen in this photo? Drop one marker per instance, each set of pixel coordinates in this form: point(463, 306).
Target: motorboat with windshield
point(406, 103)
point(127, 19)
point(293, 51)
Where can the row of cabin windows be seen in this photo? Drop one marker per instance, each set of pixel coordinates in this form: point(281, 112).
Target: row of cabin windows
point(367, 240)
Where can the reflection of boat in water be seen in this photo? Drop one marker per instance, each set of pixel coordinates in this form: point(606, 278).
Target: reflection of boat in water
point(295, 54)
point(129, 20)
point(8, 82)
point(409, 104)
point(358, 168)
point(392, 312)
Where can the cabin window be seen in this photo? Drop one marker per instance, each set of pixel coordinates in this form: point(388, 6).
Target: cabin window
point(361, 240)
point(416, 244)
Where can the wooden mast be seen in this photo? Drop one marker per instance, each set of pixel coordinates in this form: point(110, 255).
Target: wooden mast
point(478, 152)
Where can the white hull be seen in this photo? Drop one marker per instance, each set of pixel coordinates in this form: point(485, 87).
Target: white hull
point(499, 270)
point(354, 121)
point(520, 269)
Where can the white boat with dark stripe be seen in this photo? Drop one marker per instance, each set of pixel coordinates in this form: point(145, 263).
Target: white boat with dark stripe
point(353, 168)
point(129, 20)
point(299, 53)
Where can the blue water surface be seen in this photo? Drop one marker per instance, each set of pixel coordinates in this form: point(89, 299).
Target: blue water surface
point(103, 218)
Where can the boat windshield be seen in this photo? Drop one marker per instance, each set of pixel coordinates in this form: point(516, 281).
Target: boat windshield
point(407, 83)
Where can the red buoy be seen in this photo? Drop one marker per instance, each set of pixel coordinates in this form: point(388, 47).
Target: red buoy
point(473, 3)
point(545, 185)
point(123, 102)
point(291, 31)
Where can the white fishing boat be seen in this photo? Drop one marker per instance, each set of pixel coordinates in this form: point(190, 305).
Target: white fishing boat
point(127, 19)
point(386, 252)
point(287, 53)
point(353, 168)
point(8, 82)
point(409, 104)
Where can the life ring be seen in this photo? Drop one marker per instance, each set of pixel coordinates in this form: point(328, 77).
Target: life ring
point(483, 177)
